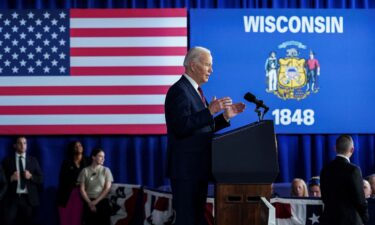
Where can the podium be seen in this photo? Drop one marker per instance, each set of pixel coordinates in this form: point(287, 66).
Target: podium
point(244, 165)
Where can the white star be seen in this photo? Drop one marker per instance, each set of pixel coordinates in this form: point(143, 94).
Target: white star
point(30, 29)
point(314, 219)
point(38, 63)
point(46, 28)
point(1, 15)
point(46, 69)
point(54, 49)
point(22, 49)
point(14, 15)
point(22, 35)
point(15, 70)
point(62, 69)
point(1, 56)
point(46, 42)
point(38, 22)
point(15, 56)
point(7, 63)
point(23, 63)
point(54, 35)
point(38, 35)
point(46, 15)
point(38, 49)
point(54, 22)
point(1, 70)
point(7, 49)
point(30, 56)
point(14, 42)
point(1, 29)
point(54, 62)
point(62, 28)
point(1, 43)
point(62, 42)
point(30, 42)
point(6, 22)
point(62, 15)
point(62, 55)
point(30, 15)
point(46, 55)
point(7, 36)
point(30, 69)
point(14, 28)
point(22, 22)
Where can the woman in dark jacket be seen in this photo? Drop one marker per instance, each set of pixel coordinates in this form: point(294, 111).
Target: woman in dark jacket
point(69, 201)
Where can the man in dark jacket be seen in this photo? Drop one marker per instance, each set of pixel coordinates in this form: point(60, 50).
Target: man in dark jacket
point(191, 124)
point(342, 188)
point(24, 178)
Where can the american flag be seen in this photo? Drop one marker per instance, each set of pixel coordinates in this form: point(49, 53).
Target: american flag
point(88, 71)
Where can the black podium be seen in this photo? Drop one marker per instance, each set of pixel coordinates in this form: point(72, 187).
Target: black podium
point(244, 165)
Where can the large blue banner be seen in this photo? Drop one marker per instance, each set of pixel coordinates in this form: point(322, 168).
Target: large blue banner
point(314, 69)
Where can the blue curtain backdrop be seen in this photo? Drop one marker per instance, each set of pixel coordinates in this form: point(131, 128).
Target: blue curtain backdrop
point(141, 159)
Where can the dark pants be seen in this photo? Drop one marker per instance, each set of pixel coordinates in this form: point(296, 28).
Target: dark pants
point(18, 211)
point(189, 200)
point(102, 216)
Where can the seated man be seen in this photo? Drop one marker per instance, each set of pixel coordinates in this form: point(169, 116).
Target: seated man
point(314, 187)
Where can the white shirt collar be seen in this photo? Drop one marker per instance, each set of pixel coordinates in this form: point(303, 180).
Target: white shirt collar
point(192, 81)
point(23, 155)
point(343, 156)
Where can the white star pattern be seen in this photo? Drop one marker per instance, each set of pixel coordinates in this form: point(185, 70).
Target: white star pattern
point(34, 42)
point(314, 219)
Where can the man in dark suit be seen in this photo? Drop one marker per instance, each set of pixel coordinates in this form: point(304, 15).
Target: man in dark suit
point(24, 177)
point(191, 124)
point(342, 188)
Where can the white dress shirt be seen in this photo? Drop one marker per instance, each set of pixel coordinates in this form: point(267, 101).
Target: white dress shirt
point(19, 190)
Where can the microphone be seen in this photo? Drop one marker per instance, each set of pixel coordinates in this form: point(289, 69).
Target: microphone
point(259, 103)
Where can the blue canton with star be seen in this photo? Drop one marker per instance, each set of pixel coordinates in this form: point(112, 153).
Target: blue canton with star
point(313, 214)
point(34, 42)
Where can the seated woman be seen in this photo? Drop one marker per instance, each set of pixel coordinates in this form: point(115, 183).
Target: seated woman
point(95, 183)
point(69, 200)
point(299, 188)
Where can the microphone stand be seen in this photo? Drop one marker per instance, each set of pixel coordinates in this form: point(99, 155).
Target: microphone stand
point(261, 113)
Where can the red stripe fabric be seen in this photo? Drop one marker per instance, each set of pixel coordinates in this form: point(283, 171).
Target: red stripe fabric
point(130, 51)
point(89, 109)
point(127, 70)
point(83, 90)
point(83, 129)
point(128, 32)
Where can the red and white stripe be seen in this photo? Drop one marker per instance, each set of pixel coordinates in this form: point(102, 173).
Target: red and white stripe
point(122, 63)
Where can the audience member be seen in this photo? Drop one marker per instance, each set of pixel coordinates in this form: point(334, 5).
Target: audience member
point(299, 188)
point(367, 189)
point(95, 183)
point(371, 180)
point(69, 201)
point(24, 178)
point(342, 188)
point(314, 187)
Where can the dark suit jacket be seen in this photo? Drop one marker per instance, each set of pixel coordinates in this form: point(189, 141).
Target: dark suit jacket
point(32, 185)
point(342, 193)
point(190, 129)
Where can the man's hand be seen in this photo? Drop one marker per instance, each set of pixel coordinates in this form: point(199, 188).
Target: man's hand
point(28, 175)
point(216, 105)
point(233, 110)
point(15, 176)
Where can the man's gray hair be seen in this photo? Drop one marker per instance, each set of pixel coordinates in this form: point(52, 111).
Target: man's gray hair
point(344, 143)
point(194, 54)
